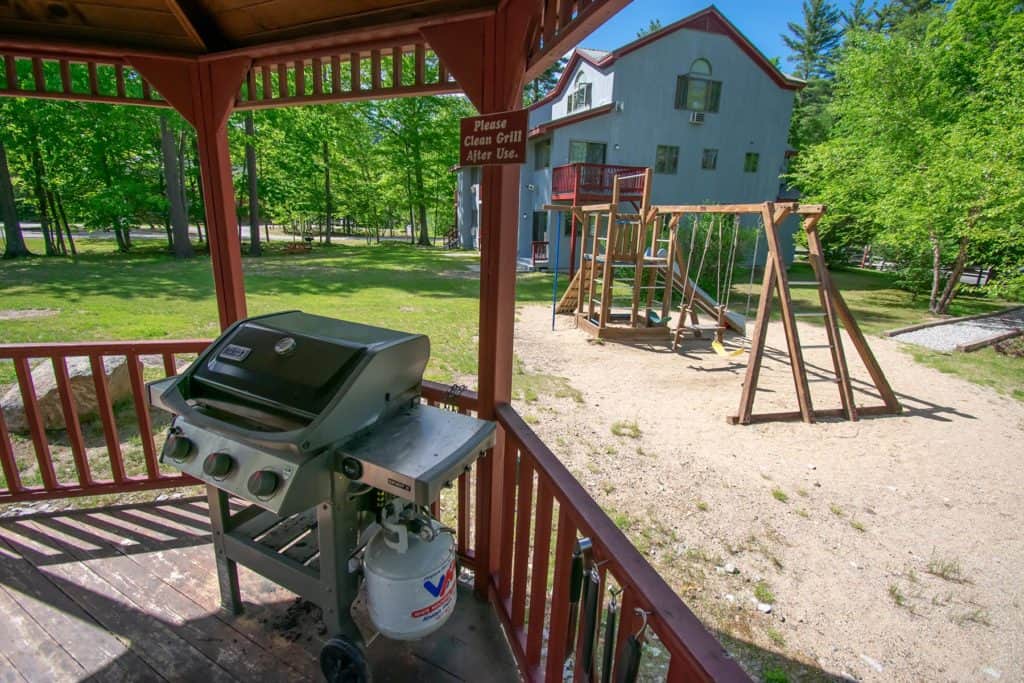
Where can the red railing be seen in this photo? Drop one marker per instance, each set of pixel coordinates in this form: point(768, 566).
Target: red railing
point(539, 491)
point(541, 512)
point(594, 181)
point(78, 475)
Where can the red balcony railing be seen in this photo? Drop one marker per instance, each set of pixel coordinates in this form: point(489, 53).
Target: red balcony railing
point(594, 181)
point(542, 511)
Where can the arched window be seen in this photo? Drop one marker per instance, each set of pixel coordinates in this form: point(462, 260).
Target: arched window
point(579, 98)
point(696, 91)
point(700, 67)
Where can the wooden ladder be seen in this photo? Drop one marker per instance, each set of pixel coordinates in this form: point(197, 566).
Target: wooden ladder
point(833, 311)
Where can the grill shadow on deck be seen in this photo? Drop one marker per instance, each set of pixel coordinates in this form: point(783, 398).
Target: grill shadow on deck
point(130, 593)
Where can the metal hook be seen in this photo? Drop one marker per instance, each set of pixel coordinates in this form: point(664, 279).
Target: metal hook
point(643, 627)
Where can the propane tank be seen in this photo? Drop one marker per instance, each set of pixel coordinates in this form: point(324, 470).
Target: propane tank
point(410, 573)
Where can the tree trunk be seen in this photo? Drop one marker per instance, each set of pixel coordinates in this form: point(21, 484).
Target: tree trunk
point(172, 183)
point(954, 278)
point(59, 241)
point(328, 208)
point(933, 299)
point(44, 220)
point(15, 241)
point(253, 186)
point(67, 226)
point(119, 236)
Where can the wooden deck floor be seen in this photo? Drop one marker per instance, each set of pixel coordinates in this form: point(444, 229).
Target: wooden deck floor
point(130, 593)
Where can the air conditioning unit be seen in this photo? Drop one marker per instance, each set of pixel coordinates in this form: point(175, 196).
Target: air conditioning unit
point(696, 117)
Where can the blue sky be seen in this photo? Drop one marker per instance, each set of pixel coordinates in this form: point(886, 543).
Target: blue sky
point(762, 21)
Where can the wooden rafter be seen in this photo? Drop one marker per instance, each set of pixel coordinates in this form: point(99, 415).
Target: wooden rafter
point(198, 24)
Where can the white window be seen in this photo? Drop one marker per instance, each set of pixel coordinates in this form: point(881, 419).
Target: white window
point(696, 91)
point(579, 98)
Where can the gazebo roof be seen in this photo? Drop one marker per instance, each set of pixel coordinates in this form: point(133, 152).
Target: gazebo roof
point(200, 27)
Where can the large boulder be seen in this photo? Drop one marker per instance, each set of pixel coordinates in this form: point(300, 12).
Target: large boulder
point(82, 388)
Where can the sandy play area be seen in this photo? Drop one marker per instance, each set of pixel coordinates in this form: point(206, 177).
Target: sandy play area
point(888, 549)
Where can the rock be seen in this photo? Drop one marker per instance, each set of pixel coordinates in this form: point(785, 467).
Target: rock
point(82, 389)
point(730, 568)
point(764, 608)
point(874, 664)
point(729, 597)
point(991, 672)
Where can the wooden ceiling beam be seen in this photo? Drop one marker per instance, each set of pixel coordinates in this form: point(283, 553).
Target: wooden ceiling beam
point(199, 24)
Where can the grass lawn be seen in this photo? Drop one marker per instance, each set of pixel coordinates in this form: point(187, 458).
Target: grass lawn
point(148, 295)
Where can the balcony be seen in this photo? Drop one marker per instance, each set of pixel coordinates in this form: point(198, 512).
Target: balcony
point(140, 576)
point(580, 182)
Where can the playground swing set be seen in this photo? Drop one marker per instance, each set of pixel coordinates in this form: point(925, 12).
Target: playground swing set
point(634, 262)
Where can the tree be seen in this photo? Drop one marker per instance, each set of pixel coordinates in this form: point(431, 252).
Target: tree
point(813, 42)
point(172, 182)
point(539, 87)
point(653, 26)
point(14, 245)
point(926, 152)
point(860, 16)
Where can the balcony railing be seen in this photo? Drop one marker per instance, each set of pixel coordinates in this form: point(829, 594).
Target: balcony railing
point(521, 560)
point(594, 181)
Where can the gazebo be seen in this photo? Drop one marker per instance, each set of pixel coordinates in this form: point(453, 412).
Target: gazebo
point(520, 511)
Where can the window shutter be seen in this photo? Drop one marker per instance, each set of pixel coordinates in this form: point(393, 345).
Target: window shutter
point(714, 96)
point(681, 83)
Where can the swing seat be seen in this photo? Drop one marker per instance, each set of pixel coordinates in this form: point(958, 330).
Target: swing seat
point(654, 319)
point(720, 349)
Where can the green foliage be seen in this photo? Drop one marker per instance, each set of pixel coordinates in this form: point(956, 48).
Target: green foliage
point(925, 146)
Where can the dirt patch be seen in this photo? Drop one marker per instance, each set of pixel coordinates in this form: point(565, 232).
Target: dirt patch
point(28, 313)
point(888, 549)
point(1011, 347)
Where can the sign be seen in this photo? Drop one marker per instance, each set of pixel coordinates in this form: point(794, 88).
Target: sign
point(493, 139)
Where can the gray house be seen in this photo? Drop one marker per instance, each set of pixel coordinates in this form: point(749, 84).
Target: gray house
point(695, 101)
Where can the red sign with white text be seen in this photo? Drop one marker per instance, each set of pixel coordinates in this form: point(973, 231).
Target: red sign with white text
point(494, 139)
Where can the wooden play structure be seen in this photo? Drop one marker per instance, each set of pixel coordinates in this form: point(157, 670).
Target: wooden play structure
point(642, 264)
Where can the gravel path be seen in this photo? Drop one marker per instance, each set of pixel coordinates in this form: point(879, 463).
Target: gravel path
point(948, 337)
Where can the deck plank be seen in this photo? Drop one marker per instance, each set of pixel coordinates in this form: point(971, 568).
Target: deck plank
point(100, 652)
point(195, 624)
point(153, 640)
point(32, 651)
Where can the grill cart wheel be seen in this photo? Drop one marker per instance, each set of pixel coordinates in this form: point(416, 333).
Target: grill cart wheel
point(342, 661)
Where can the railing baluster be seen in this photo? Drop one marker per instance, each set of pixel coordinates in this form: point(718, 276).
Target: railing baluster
point(300, 78)
point(142, 415)
point(267, 91)
point(396, 67)
point(560, 595)
point(282, 81)
point(71, 423)
point(539, 575)
point(147, 91)
point(354, 71)
point(106, 411)
point(629, 622)
point(463, 513)
point(37, 74)
point(94, 86)
point(318, 76)
point(435, 509)
point(335, 74)
point(7, 461)
point(10, 72)
point(119, 78)
point(421, 63)
point(482, 533)
point(375, 69)
point(250, 85)
point(520, 556)
point(170, 367)
point(508, 513)
point(35, 423)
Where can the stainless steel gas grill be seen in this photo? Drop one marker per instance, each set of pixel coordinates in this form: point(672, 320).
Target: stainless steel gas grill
point(318, 424)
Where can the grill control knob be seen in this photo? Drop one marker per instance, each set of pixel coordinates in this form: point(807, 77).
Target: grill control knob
point(262, 483)
point(217, 465)
point(352, 468)
point(178, 448)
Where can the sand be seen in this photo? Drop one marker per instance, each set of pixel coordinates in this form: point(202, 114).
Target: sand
point(873, 509)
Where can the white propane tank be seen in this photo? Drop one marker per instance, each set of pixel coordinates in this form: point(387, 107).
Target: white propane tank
point(410, 582)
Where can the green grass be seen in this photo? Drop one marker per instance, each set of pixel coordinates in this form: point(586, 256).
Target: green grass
point(146, 294)
point(947, 568)
point(763, 592)
point(628, 428)
point(780, 495)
